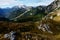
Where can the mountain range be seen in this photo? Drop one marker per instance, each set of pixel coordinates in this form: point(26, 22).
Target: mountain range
point(5, 12)
point(17, 10)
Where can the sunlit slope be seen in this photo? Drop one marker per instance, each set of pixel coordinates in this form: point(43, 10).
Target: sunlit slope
point(54, 22)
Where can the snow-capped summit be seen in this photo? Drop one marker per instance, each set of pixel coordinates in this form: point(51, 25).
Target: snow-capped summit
point(22, 6)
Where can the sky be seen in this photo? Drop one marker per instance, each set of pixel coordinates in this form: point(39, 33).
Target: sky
point(11, 3)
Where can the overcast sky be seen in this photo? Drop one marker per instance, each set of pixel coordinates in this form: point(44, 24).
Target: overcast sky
point(11, 3)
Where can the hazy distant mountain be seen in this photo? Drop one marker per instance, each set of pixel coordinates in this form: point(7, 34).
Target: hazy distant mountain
point(4, 12)
point(7, 11)
point(1, 12)
point(17, 10)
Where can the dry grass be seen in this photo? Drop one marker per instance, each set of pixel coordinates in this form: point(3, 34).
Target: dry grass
point(57, 18)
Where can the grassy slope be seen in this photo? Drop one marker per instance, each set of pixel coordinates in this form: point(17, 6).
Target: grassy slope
point(54, 26)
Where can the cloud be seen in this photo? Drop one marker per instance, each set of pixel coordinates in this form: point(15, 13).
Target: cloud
point(42, 3)
point(9, 3)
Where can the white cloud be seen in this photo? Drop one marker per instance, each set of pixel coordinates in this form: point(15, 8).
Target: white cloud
point(39, 2)
point(9, 3)
point(42, 3)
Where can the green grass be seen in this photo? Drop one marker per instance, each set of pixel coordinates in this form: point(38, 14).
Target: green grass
point(33, 18)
